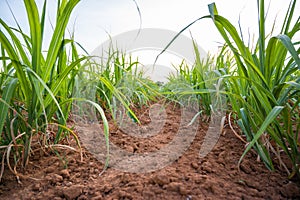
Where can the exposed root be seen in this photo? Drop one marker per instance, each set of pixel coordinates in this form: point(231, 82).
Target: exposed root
point(235, 133)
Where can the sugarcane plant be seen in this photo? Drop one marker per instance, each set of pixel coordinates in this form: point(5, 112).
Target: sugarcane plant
point(36, 86)
point(265, 86)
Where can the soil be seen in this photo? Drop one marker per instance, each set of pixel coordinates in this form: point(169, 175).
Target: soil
point(188, 176)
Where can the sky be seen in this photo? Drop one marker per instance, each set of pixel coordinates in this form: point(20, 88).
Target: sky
point(94, 17)
point(94, 20)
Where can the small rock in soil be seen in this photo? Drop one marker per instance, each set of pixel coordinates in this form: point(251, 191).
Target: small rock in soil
point(206, 166)
point(125, 178)
point(194, 165)
point(68, 184)
point(130, 149)
point(54, 178)
point(72, 192)
point(50, 169)
point(173, 186)
point(94, 176)
point(161, 179)
point(65, 173)
point(252, 184)
point(183, 190)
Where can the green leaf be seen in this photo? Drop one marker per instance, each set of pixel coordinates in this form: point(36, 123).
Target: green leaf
point(36, 76)
point(5, 101)
point(16, 41)
point(269, 119)
point(286, 41)
point(62, 79)
point(16, 63)
point(57, 37)
point(35, 33)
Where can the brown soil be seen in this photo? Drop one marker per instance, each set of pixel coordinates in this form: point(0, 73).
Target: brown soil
point(215, 176)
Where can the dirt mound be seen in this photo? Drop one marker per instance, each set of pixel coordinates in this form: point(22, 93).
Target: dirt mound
point(213, 177)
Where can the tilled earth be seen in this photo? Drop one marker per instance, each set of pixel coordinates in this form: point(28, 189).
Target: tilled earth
point(188, 176)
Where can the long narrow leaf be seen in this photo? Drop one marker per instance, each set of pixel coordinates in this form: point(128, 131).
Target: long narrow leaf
point(35, 33)
point(48, 90)
point(269, 119)
point(57, 37)
point(7, 96)
point(16, 63)
point(286, 41)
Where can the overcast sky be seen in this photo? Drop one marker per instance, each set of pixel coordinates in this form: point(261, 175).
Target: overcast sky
point(93, 19)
